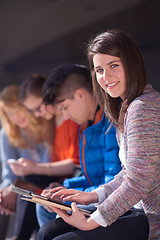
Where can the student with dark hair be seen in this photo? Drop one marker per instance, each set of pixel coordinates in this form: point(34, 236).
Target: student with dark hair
point(54, 89)
point(69, 87)
point(129, 205)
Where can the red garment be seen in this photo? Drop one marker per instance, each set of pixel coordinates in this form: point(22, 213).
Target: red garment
point(66, 142)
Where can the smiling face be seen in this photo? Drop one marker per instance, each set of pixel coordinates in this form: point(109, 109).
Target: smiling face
point(110, 74)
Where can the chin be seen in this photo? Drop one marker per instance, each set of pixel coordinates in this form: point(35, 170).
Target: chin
point(76, 121)
point(48, 117)
point(22, 125)
point(113, 95)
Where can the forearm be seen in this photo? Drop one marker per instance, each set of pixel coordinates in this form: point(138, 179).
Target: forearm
point(111, 186)
point(7, 152)
point(6, 182)
point(7, 176)
point(59, 168)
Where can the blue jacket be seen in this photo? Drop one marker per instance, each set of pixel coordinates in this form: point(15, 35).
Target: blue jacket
point(7, 150)
point(98, 155)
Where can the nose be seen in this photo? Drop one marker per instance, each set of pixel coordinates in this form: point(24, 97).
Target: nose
point(106, 75)
point(16, 118)
point(37, 114)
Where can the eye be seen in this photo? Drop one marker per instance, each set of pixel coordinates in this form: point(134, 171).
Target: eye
point(114, 65)
point(99, 70)
point(65, 108)
point(62, 108)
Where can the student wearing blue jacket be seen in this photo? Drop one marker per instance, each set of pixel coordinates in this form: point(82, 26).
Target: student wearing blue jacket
point(98, 155)
point(69, 87)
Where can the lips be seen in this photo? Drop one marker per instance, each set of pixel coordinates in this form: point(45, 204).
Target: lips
point(22, 122)
point(110, 85)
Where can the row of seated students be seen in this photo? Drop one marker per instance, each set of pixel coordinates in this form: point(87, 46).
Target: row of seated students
point(48, 144)
point(119, 97)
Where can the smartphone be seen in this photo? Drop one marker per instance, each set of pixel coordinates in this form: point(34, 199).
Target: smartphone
point(11, 160)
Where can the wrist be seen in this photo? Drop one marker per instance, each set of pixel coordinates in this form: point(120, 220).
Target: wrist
point(39, 169)
point(91, 224)
point(49, 169)
point(94, 197)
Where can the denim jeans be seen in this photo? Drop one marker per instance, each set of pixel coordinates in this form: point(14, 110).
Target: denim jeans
point(43, 216)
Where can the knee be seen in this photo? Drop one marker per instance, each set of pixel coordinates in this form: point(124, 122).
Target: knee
point(43, 234)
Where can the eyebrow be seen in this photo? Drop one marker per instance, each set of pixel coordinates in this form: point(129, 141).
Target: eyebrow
point(107, 64)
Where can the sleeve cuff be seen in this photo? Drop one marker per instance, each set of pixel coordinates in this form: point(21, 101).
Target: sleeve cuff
point(97, 217)
point(101, 195)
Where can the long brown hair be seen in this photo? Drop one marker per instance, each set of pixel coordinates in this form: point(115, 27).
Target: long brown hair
point(119, 44)
point(9, 98)
point(33, 85)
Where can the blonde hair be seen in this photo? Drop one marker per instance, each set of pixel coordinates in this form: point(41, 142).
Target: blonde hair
point(9, 97)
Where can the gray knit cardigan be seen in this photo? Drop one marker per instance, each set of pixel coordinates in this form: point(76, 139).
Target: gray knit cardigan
point(140, 180)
